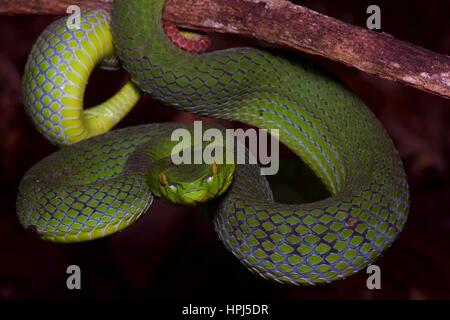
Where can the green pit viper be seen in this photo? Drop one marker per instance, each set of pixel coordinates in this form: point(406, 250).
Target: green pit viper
point(100, 185)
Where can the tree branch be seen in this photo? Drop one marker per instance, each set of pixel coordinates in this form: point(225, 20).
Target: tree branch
point(282, 23)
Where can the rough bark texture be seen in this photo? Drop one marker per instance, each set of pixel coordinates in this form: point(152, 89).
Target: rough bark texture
point(283, 23)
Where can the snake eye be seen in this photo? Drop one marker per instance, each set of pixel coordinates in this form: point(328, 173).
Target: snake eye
point(208, 179)
point(163, 179)
point(173, 187)
point(215, 168)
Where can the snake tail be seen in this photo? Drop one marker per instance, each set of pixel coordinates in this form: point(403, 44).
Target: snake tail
point(187, 41)
point(56, 75)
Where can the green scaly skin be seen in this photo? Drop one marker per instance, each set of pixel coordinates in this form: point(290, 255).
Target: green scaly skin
point(319, 119)
point(56, 76)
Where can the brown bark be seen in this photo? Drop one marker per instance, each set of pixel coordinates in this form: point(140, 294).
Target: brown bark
point(285, 24)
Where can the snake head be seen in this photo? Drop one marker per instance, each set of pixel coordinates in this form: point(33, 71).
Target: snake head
point(189, 184)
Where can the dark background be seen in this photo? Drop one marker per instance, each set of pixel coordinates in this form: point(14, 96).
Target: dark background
point(173, 252)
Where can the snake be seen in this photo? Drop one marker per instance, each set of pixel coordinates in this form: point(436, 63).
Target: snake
point(98, 183)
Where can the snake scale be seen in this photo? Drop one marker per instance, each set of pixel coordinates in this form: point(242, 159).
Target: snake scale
point(92, 188)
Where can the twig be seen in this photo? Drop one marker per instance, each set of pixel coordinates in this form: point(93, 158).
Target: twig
point(285, 24)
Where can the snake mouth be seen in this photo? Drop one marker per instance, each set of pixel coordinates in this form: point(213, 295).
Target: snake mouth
point(197, 196)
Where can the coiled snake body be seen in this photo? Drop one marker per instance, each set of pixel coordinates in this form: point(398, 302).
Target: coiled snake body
point(92, 189)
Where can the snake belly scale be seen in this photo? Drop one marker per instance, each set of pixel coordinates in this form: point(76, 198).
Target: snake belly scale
point(318, 118)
